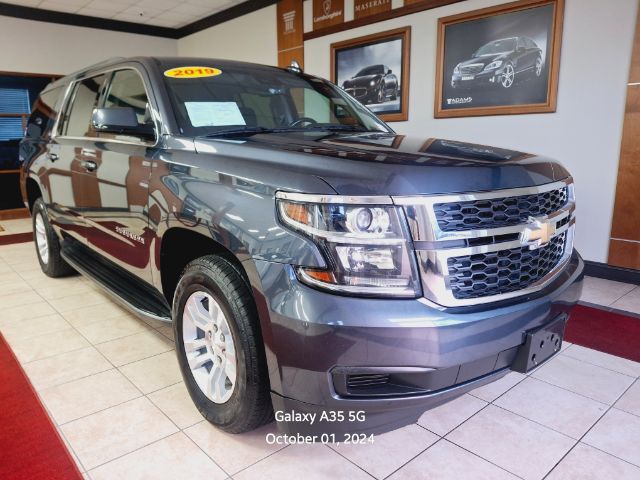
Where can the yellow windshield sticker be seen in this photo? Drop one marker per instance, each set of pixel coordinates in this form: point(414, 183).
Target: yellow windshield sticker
point(192, 72)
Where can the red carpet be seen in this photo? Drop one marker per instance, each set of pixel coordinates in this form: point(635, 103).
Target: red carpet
point(605, 331)
point(16, 238)
point(30, 447)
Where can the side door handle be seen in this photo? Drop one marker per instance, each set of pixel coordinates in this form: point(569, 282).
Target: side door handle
point(90, 166)
point(53, 156)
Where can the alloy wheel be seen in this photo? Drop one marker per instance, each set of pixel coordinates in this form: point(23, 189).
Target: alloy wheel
point(538, 66)
point(508, 76)
point(381, 94)
point(209, 347)
point(42, 242)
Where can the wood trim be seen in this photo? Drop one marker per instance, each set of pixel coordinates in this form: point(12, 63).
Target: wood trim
point(379, 17)
point(13, 213)
point(405, 34)
point(15, 170)
point(553, 73)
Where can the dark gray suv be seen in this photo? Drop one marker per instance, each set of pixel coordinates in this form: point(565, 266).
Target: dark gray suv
point(314, 264)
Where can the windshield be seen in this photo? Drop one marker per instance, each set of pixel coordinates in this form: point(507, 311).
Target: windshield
point(498, 46)
point(256, 98)
point(372, 70)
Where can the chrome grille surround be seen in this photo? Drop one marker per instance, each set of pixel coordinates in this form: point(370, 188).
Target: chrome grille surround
point(434, 247)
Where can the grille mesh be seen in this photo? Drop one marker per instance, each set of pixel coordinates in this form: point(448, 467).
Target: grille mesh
point(494, 273)
point(498, 212)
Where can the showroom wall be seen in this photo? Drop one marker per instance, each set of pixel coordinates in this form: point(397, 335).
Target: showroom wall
point(584, 133)
point(39, 47)
point(251, 38)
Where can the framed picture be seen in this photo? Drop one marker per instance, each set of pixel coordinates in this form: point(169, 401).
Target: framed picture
point(499, 60)
point(375, 70)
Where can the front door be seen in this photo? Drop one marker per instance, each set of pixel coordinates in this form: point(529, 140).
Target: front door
point(116, 218)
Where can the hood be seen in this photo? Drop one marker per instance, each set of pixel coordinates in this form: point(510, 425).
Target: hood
point(361, 81)
point(484, 60)
point(388, 164)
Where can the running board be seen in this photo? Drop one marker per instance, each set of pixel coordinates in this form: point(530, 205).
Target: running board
point(141, 299)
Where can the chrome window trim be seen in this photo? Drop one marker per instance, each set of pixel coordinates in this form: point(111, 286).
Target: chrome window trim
point(433, 261)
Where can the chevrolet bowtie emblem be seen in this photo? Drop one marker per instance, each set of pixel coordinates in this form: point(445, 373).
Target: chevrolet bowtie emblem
point(538, 232)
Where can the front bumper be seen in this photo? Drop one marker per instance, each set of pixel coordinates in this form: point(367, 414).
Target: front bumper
point(489, 78)
point(314, 339)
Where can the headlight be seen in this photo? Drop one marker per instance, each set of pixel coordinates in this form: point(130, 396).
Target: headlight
point(493, 65)
point(457, 69)
point(365, 245)
point(372, 83)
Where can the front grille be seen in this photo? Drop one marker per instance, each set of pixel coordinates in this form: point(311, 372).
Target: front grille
point(471, 69)
point(503, 271)
point(497, 212)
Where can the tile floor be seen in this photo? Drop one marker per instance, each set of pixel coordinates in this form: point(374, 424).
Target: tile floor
point(18, 225)
point(112, 385)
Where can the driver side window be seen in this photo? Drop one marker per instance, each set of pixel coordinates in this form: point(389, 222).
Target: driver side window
point(126, 89)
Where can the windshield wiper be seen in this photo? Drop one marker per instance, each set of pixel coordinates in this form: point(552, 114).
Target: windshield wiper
point(241, 131)
point(336, 128)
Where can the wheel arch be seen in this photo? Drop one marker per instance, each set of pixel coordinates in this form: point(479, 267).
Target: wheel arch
point(179, 246)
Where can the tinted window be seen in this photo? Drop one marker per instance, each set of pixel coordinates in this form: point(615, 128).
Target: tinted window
point(372, 70)
point(127, 90)
point(45, 112)
point(498, 46)
point(77, 122)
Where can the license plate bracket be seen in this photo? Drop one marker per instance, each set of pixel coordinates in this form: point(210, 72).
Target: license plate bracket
point(540, 345)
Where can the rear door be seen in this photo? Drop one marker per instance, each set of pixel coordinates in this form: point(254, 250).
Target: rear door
point(116, 217)
point(70, 189)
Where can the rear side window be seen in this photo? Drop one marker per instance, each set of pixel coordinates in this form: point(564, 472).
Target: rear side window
point(77, 122)
point(127, 90)
point(45, 112)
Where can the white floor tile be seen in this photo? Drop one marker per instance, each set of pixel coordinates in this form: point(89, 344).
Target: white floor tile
point(446, 461)
point(630, 302)
point(512, 442)
point(154, 373)
point(174, 457)
point(441, 420)
point(605, 360)
point(119, 430)
point(589, 380)
point(493, 390)
point(553, 407)
point(617, 433)
point(603, 292)
point(588, 463)
point(630, 401)
point(389, 451)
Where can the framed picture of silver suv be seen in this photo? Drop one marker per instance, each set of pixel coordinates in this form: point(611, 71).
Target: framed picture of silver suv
point(316, 267)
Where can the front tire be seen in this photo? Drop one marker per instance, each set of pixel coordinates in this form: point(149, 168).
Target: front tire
point(508, 76)
point(47, 243)
point(219, 346)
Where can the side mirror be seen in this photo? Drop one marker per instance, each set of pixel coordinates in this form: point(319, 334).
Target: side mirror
point(389, 72)
point(122, 120)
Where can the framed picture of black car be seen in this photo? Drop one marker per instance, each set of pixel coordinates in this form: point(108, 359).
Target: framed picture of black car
point(499, 60)
point(375, 70)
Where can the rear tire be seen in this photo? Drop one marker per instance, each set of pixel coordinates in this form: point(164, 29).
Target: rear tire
point(216, 326)
point(48, 243)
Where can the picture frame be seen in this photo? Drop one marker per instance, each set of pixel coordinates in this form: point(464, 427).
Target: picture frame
point(501, 60)
point(375, 70)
